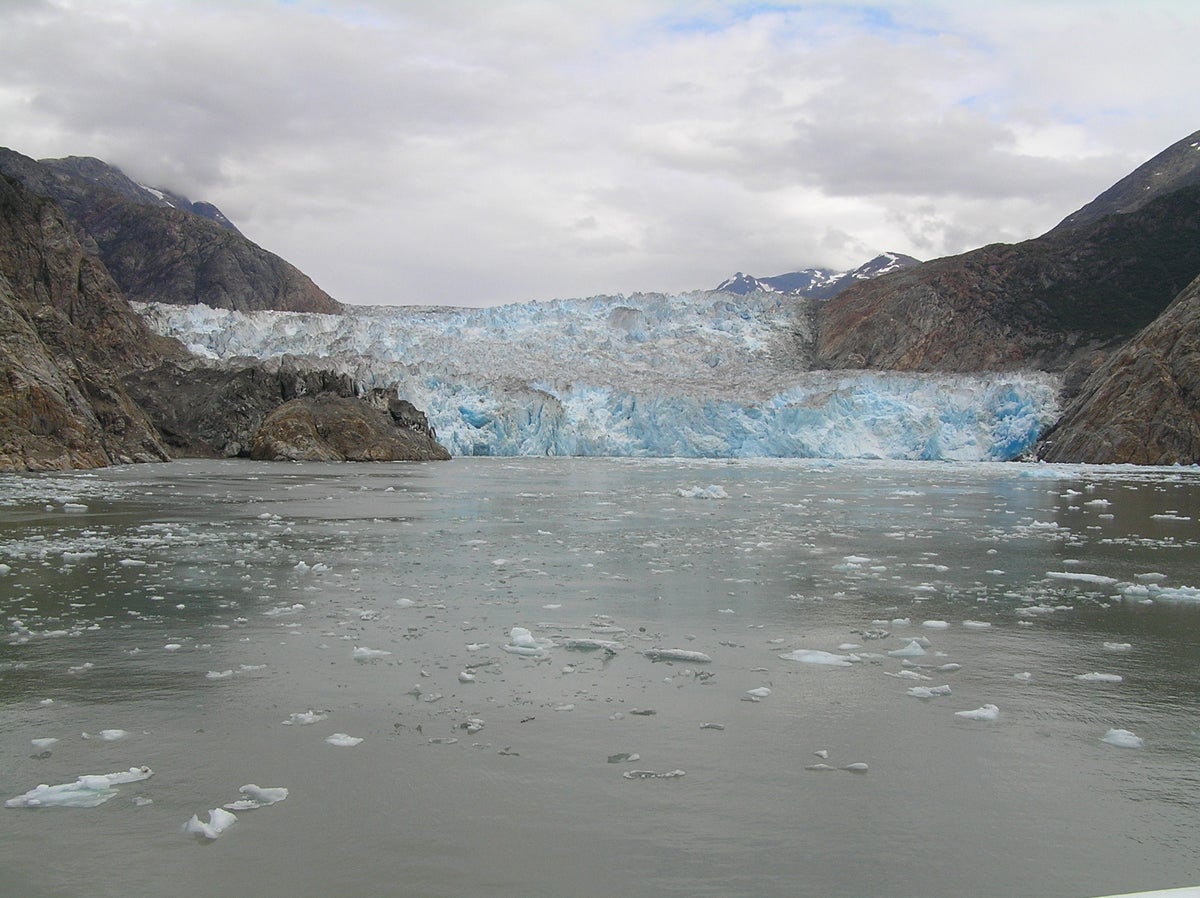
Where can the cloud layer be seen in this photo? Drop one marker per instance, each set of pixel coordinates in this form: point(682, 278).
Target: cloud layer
point(478, 153)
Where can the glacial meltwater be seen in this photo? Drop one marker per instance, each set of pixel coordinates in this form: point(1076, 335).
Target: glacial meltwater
point(600, 677)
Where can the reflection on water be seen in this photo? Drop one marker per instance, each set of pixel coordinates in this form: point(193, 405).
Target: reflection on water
point(198, 605)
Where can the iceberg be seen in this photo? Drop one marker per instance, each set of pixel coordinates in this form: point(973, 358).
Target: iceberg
point(87, 791)
point(701, 375)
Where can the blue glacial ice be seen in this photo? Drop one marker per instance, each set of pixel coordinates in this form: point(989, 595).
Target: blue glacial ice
point(649, 375)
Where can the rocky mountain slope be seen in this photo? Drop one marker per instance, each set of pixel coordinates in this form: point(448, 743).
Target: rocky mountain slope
point(1143, 405)
point(84, 383)
point(198, 255)
point(816, 283)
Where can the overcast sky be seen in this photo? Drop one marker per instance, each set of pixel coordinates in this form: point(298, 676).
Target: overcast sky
point(477, 153)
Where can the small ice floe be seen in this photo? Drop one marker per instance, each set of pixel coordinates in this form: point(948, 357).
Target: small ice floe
point(1118, 646)
point(74, 507)
point(1150, 577)
point(591, 645)
point(362, 653)
point(477, 646)
point(856, 767)
point(623, 757)
point(651, 775)
point(758, 693)
point(569, 706)
point(906, 675)
point(816, 656)
point(522, 642)
point(1100, 678)
point(219, 820)
point(88, 791)
point(912, 650)
point(257, 797)
point(685, 655)
point(343, 740)
point(928, 691)
point(1024, 676)
point(987, 712)
point(849, 647)
point(5, 570)
point(712, 491)
point(820, 767)
point(303, 718)
point(219, 674)
point(1081, 577)
point(112, 735)
point(712, 726)
point(1123, 739)
point(405, 603)
point(935, 625)
point(465, 676)
point(949, 668)
point(472, 725)
point(44, 743)
point(976, 624)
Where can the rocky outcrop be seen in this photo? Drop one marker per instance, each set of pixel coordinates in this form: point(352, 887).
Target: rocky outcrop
point(328, 427)
point(66, 333)
point(160, 247)
point(208, 410)
point(1143, 406)
point(1052, 303)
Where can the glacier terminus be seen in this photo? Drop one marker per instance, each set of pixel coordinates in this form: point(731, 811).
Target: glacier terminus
point(702, 375)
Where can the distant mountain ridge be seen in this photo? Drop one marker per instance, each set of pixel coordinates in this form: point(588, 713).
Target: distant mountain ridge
point(817, 283)
point(159, 246)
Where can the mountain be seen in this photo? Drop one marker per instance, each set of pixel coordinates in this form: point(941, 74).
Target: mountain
point(817, 283)
point(1143, 405)
point(1176, 167)
point(84, 383)
point(159, 246)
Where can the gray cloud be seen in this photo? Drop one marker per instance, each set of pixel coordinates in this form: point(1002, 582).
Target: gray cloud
point(475, 153)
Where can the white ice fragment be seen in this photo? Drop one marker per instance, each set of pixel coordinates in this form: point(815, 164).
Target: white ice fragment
point(172, 647)
point(362, 653)
point(219, 674)
point(816, 656)
point(912, 650)
point(591, 645)
point(466, 677)
point(257, 797)
point(935, 625)
point(684, 655)
point(74, 507)
point(712, 491)
point(87, 791)
point(219, 820)
point(405, 603)
point(759, 692)
point(1118, 646)
point(44, 742)
point(522, 642)
point(1024, 676)
point(976, 624)
point(112, 735)
point(928, 691)
point(303, 718)
point(949, 668)
point(1081, 577)
point(1100, 678)
point(651, 775)
point(987, 712)
point(343, 740)
point(857, 767)
point(1123, 739)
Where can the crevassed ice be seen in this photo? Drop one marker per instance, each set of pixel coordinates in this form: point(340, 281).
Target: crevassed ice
point(648, 375)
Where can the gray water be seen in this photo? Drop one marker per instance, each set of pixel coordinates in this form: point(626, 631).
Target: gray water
point(422, 561)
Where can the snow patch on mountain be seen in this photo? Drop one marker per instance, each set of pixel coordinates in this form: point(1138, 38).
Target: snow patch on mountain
point(693, 375)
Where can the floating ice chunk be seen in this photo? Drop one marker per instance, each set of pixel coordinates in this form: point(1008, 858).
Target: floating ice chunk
point(976, 624)
point(476, 646)
point(362, 653)
point(74, 507)
point(912, 650)
point(857, 767)
point(1100, 678)
point(622, 757)
point(949, 668)
point(303, 718)
point(343, 740)
point(684, 655)
point(1118, 646)
point(1081, 577)
point(522, 642)
point(849, 647)
point(112, 735)
point(4, 570)
point(44, 742)
point(406, 603)
point(712, 491)
point(219, 674)
point(1024, 676)
point(987, 712)
point(1123, 739)
point(591, 645)
point(87, 791)
point(465, 676)
point(816, 656)
point(1150, 577)
point(906, 675)
point(219, 820)
point(928, 691)
point(935, 625)
point(820, 766)
point(651, 775)
point(257, 797)
point(759, 692)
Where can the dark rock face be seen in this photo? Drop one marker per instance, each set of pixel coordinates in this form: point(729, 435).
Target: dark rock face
point(203, 410)
point(1143, 406)
point(1050, 303)
point(166, 248)
point(328, 427)
point(66, 332)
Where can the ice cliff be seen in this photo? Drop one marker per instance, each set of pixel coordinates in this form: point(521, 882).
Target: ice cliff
point(695, 375)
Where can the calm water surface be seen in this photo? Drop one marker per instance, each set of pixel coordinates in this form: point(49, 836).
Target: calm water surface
point(198, 605)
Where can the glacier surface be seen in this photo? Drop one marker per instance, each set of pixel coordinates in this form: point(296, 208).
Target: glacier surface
point(649, 375)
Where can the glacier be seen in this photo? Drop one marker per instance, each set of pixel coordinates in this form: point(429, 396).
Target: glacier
point(702, 374)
